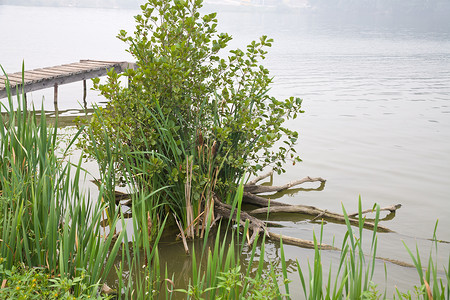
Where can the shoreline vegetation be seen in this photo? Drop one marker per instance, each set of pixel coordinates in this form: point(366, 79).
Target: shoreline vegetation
point(182, 138)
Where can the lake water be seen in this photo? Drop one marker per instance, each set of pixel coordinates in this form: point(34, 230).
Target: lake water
point(376, 96)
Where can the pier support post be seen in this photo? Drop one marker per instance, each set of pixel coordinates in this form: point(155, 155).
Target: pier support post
point(84, 93)
point(55, 96)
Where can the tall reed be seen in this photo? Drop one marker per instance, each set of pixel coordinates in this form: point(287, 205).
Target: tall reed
point(433, 284)
point(44, 219)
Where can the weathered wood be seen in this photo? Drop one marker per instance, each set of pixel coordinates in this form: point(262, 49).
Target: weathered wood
point(391, 209)
point(84, 93)
point(18, 77)
point(289, 240)
point(261, 201)
point(55, 95)
point(314, 211)
point(255, 225)
point(258, 189)
point(258, 227)
point(40, 74)
point(69, 70)
point(49, 71)
point(47, 77)
point(259, 178)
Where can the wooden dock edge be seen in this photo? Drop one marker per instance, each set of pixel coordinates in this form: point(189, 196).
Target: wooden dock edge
point(53, 80)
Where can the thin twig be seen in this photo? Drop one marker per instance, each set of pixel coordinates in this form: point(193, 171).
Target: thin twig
point(259, 178)
point(391, 208)
point(183, 237)
point(258, 189)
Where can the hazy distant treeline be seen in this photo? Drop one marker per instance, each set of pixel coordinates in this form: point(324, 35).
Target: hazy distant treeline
point(77, 3)
point(346, 8)
point(382, 7)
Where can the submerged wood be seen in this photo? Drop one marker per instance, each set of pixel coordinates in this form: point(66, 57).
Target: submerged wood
point(183, 236)
point(299, 242)
point(391, 208)
point(261, 201)
point(107, 290)
point(258, 189)
point(225, 210)
point(314, 211)
point(257, 226)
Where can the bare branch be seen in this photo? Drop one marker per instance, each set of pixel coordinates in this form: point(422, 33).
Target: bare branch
point(259, 178)
point(299, 242)
point(261, 201)
point(391, 208)
point(183, 237)
point(258, 189)
point(258, 226)
point(313, 211)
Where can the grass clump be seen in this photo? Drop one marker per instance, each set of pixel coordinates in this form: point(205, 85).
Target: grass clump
point(45, 222)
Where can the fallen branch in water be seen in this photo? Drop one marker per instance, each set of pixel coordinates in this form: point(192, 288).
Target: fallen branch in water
point(314, 211)
point(224, 210)
point(259, 178)
point(391, 208)
point(299, 242)
point(250, 198)
point(257, 226)
point(258, 189)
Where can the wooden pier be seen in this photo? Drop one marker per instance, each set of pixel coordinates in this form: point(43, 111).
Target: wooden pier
point(52, 77)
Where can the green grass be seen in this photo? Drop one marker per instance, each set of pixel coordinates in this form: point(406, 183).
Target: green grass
point(45, 221)
point(432, 284)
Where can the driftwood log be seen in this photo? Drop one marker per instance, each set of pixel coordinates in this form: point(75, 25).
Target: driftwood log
point(251, 189)
point(257, 226)
point(313, 211)
point(267, 206)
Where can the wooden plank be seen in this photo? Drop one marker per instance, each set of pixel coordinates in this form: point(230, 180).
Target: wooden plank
point(123, 65)
point(15, 78)
point(27, 76)
point(48, 71)
point(69, 69)
point(104, 62)
point(41, 75)
point(74, 67)
point(90, 66)
point(63, 71)
point(101, 66)
point(14, 81)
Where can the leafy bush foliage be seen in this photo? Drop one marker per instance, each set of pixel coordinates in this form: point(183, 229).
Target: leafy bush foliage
point(209, 117)
point(35, 283)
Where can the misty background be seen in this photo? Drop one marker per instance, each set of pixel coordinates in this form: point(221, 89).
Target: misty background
point(413, 11)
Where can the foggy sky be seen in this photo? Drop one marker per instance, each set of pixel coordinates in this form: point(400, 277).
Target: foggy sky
point(421, 11)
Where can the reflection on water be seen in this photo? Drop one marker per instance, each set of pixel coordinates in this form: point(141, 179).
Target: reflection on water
point(63, 118)
point(66, 118)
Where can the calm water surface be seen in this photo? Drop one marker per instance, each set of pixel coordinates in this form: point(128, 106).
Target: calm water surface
point(377, 102)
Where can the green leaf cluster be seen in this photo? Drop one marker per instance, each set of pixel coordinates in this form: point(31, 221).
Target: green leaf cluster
point(205, 112)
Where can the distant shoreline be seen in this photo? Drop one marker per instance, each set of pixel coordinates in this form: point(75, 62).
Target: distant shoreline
point(403, 12)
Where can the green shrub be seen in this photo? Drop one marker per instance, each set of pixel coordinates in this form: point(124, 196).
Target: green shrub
point(209, 118)
point(36, 283)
